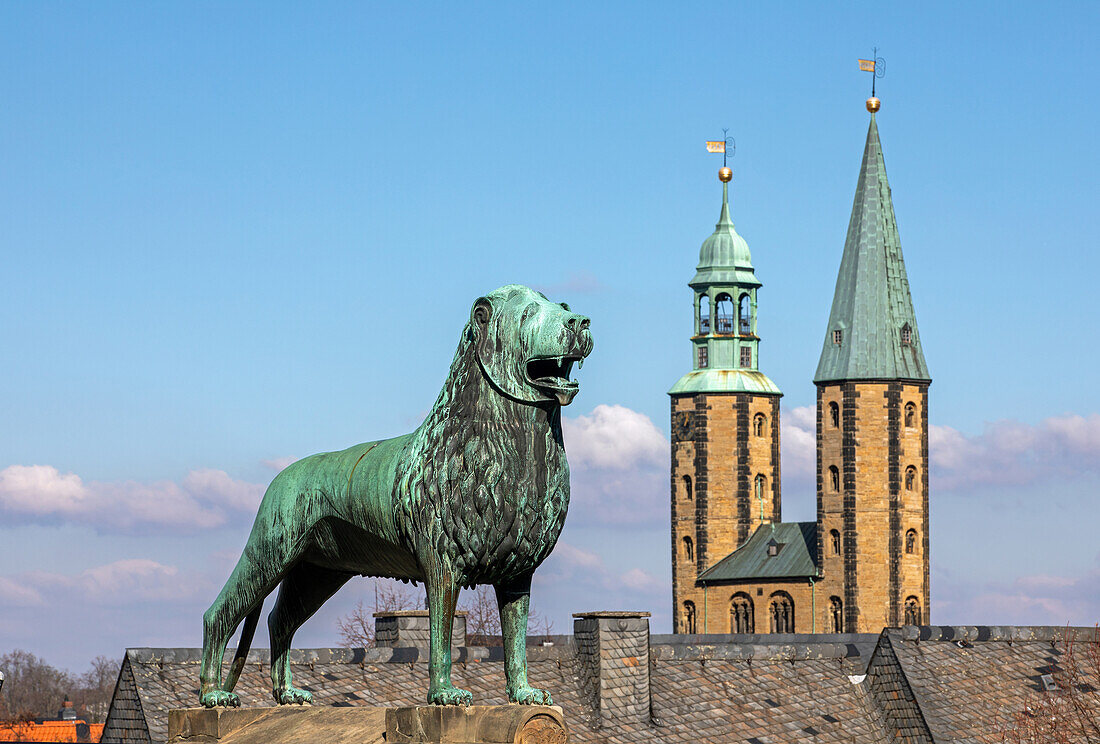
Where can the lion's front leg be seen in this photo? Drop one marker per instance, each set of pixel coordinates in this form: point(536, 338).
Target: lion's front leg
point(514, 602)
point(443, 591)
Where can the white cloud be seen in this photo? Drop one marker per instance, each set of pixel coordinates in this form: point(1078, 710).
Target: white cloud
point(279, 463)
point(614, 437)
point(1013, 453)
point(205, 498)
point(798, 449)
point(118, 583)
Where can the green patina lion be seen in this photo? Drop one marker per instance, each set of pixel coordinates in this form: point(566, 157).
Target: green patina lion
point(476, 495)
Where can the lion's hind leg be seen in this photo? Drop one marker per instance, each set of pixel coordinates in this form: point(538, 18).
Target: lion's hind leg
point(242, 595)
point(305, 588)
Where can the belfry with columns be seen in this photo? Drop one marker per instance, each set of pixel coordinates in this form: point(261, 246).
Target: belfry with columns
point(863, 564)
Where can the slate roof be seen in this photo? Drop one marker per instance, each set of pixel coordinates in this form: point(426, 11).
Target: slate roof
point(871, 303)
point(965, 684)
point(915, 684)
point(700, 692)
point(797, 542)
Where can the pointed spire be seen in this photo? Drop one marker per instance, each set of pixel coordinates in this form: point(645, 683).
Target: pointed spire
point(872, 333)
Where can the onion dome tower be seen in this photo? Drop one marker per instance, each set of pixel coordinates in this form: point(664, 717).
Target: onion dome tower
point(872, 421)
point(725, 422)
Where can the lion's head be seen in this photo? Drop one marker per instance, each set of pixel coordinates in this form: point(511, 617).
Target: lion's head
point(526, 345)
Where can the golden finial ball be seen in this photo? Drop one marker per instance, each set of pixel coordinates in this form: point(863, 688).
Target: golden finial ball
point(725, 175)
point(873, 104)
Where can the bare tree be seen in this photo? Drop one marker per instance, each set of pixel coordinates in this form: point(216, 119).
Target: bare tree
point(1069, 711)
point(357, 629)
point(33, 688)
point(92, 698)
point(482, 617)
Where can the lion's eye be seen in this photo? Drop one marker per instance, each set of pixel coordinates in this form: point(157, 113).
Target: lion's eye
point(564, 306)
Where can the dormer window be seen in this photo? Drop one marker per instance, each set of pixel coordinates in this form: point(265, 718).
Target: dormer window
point(773, 548)
point(838, 336)
point(906, 335)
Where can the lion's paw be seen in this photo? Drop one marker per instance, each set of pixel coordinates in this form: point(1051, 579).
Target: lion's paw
point(528, 695)
point(293, 696)
point(216, 698)
point(449, 696)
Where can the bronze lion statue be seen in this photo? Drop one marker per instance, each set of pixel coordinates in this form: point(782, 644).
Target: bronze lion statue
point(476, 495)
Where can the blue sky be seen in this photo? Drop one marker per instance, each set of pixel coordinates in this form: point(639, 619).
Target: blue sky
point(238, 233)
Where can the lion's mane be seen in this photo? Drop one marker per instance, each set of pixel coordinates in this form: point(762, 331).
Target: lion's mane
point(470, 489)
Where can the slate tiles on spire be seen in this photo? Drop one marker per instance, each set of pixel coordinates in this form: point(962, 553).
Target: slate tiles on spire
point(872, 308)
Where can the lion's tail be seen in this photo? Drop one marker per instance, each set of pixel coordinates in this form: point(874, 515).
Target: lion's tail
point(243, 645)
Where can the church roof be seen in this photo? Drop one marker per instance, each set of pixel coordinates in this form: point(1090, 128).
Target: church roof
point(871, 305)
point(724, 257)
point(796, 545)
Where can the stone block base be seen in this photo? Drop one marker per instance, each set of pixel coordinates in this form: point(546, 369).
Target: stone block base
point(423, 724)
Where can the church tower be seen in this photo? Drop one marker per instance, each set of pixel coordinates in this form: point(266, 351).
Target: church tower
point(725, 424)
point(872, 422)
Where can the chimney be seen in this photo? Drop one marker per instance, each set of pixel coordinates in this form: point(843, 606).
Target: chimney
point(613, 651)
point(410, 629)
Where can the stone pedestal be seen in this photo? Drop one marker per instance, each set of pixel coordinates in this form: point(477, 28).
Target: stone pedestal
point(476, 724)
point(423, 724)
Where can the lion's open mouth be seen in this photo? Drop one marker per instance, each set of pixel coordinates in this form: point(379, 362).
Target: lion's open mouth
point(553, 372)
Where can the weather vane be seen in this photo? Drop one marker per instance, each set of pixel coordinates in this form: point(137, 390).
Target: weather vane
point(727, 147)
point(877, 67)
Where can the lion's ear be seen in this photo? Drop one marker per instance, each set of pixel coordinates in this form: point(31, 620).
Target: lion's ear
point(479, 317)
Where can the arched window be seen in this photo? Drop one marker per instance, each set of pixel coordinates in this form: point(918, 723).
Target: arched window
point(834, 415)
point(688, 493)
point(760, 425)
point(744, 314)
point(835, 537)
point(912, 611)
point(704, 314)
point(723, 313)
point(911, 541)
point(689, 617)
point(689, 550)
point(782, 613)
point(910, 414)
point(741, 616)
point(761, 485)
point(910, 478)
point(906, 335)
point(836, 614)
point(834, 479)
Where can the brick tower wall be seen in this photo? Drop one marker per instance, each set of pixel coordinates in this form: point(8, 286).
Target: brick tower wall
point(715, 445)
point(876, 503)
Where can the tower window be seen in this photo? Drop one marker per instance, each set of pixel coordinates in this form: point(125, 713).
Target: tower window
point(723, 313)
point(838, 336)
point(741, 615)
point(910, 478)
point(703, 360)
point(704, 314)
point(911, 541)
point(689, 550)
point(834, 479)
point(761, 486)
point(913, 614)
point(689, 617)
point(836, 614)
point(906, 335)
point(835, 537)
point(834, 415)
point(746, 356)
point(687, 488)
point(782, 613)
point(744, 313)
point(760, 425)
point(910, 414)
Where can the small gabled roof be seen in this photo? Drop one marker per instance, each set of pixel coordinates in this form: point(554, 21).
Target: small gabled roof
point(871, 303)
point(797, 544)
